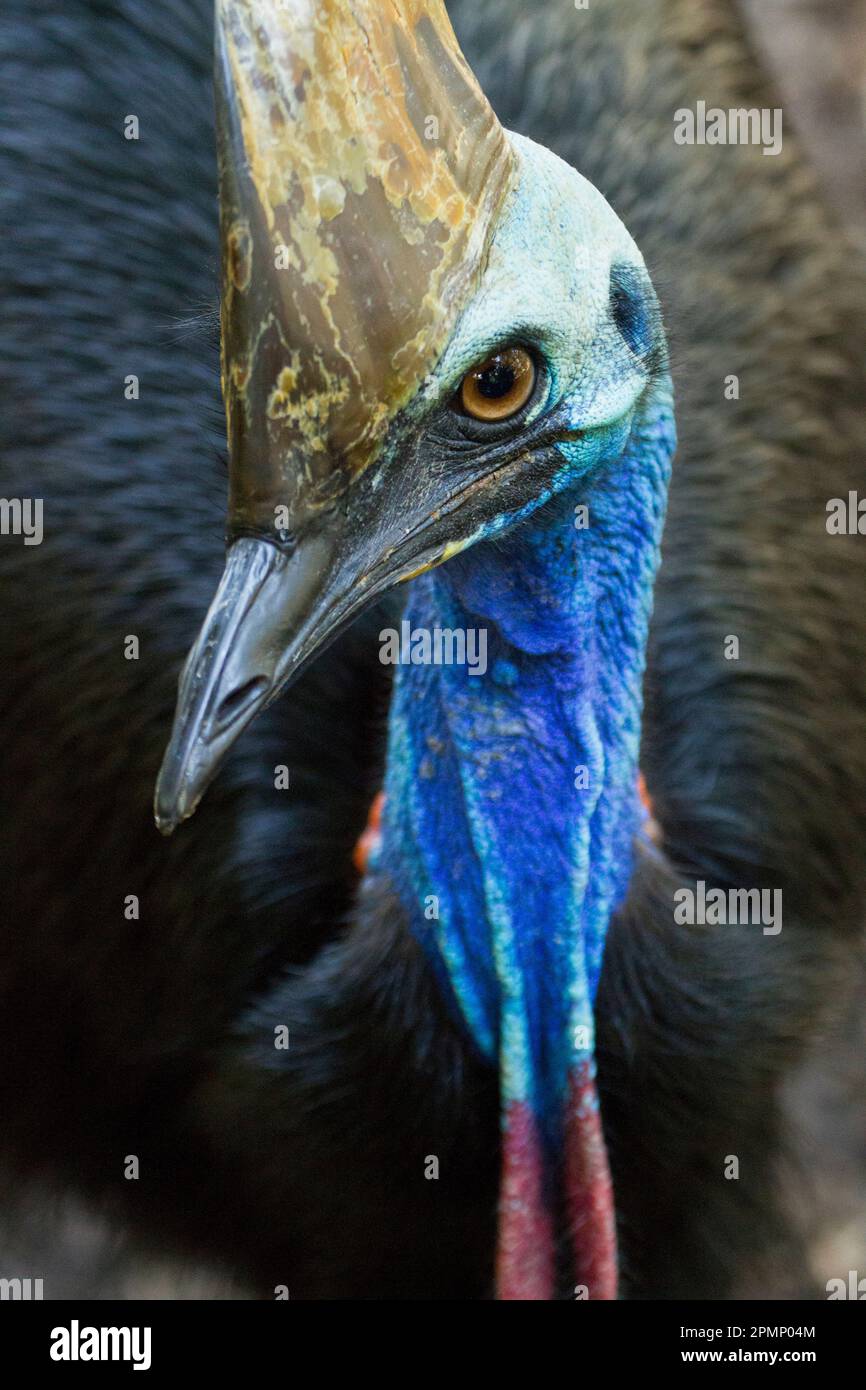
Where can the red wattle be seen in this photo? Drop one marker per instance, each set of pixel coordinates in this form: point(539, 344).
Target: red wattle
point(588, 1190)
point(525, 1268)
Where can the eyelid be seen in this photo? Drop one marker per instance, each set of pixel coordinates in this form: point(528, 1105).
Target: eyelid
point(542, 396)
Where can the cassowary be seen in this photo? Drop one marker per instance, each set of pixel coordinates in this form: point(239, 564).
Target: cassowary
point(509, 1068)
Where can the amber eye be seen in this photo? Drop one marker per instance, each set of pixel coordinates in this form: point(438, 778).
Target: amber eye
point(498, 387)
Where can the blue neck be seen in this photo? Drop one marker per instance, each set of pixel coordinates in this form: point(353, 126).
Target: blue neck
point(511, 800)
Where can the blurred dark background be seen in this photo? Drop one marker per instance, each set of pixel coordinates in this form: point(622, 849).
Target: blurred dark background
point(817, 50)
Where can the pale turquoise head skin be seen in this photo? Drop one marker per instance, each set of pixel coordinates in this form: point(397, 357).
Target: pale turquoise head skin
point(547, 281)
point(482, 812)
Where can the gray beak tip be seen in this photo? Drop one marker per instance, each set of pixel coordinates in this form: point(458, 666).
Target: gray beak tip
point(268, 615)
point(166, 822)
point(171, 804)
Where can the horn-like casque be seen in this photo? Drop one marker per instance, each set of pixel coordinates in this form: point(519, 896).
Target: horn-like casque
point(361, 172)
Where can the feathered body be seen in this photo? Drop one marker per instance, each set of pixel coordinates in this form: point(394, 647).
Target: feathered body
point(155, 1036)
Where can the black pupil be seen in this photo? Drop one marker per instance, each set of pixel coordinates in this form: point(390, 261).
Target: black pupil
point(496, 381)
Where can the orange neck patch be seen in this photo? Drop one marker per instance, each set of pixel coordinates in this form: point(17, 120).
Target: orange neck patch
point(371, 834)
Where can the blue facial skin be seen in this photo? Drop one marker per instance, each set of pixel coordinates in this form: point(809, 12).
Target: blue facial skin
point(484, 822)
point(511, 798)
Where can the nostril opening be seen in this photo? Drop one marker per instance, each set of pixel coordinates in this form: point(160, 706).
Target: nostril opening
point(234, 704)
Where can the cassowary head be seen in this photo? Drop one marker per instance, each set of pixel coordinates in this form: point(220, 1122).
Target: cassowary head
point(439, 345)
point(429, 326)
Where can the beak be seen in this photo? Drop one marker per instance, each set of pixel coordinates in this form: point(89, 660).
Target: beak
point(350, 239)
point(271, 613)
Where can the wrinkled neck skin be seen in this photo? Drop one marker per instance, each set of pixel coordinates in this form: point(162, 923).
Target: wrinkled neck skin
point(511, 796)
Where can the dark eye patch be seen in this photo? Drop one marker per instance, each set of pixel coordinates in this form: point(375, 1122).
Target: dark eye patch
point(630, 310)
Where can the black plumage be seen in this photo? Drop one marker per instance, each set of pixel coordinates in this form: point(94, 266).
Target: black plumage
point(155, 1037)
